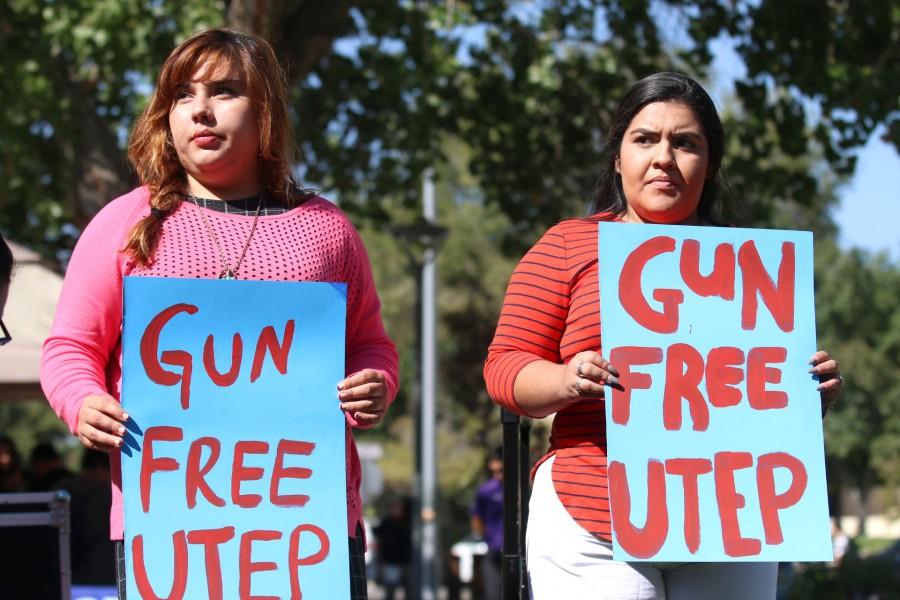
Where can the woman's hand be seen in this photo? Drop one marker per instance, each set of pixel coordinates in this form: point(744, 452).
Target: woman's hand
point(830, 381)
point(100, 423)
point(586, 374)
point(363, 395)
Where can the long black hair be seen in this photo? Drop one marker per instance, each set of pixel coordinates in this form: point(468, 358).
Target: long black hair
point(660, 87)
point(6, 262)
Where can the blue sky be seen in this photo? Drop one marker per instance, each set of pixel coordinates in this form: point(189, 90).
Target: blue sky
point(869, 213)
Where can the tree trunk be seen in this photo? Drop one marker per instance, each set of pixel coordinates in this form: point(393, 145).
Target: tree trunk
point(301, 31)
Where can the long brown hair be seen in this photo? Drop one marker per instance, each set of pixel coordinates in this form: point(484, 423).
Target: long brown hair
point(152, 152)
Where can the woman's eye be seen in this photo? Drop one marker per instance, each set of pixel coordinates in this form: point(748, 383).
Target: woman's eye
point(643, 140)
point(223, 90)
point(181, 95)
point(691, 144)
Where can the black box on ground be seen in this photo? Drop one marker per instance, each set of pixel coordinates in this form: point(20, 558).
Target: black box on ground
point(34, 546)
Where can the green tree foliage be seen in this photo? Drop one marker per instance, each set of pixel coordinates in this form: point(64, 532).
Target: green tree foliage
point(72, 75)
point(529, 86)
point(857, 313)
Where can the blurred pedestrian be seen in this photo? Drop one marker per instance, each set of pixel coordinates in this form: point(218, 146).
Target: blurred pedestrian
point(91, 503)
point(394, 537)
point(841, 545)
point(6, 265)
point(12, 475)
point(487, 524)
point(47, 471)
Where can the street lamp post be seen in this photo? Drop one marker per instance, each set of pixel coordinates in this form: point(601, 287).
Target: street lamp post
point(423, 239)
point(427, 420)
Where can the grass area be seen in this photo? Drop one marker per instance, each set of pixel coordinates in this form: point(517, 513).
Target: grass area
point(867, 545)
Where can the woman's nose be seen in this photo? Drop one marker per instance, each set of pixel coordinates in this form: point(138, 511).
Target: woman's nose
point(663, 157)
point(202, 109)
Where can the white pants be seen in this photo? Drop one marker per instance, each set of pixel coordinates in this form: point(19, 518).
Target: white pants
point(566, 562)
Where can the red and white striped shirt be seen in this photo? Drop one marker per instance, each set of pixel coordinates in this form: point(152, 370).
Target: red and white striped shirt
point(551, 312)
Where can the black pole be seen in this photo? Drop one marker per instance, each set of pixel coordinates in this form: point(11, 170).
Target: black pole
point(515, 504)
point(524, 493)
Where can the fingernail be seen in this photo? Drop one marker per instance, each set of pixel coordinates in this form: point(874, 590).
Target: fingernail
point(814, 371)
point(121, 431)
point(117, 443)
point(612, 380)
point(613, 370)
point(125, 416)
point(340, 386)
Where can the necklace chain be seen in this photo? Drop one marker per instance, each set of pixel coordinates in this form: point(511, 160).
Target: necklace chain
point(228, 272)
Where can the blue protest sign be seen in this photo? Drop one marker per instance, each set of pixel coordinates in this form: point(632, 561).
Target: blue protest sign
point(233, 470)
point(715, 447)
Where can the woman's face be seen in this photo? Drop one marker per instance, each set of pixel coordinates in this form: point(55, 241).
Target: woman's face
point(215, 133)
point(663, 162)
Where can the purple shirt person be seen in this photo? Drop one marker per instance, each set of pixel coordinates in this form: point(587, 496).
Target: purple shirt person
point(487, 523)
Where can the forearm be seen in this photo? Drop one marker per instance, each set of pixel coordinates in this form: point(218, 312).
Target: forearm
point(539, 390)
point(69, 373)
point(477, 526)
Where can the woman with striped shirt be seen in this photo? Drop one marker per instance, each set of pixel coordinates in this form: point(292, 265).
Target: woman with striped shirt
point(664, 150)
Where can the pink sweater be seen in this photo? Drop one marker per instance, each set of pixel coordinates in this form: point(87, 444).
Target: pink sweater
point(313, 242)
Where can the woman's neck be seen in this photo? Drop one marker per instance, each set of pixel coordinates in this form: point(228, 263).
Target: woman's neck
point(629, 216)
point(230, 191)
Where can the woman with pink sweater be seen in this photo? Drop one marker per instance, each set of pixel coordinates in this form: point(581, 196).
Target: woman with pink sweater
point(218, 199)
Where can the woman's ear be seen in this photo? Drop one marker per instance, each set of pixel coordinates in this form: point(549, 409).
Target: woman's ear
point(618, 166)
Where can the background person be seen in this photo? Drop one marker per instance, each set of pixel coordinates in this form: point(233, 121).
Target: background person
point(663, 153)
point(394, 535)
point(12, 474)
point(218, 199)
point(91, 503)
point(6, 265)
point(47, 471)
point(487, 524)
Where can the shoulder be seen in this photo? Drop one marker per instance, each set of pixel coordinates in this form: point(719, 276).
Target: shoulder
point(317, 205)
point(579, 226)
point(126, 209)
point(322, 214)
point(574, 232)
point(110, 226)
point(484, 489)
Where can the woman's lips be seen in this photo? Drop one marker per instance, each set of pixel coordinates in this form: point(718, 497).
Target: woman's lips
point(205, 139)
point(662, 184)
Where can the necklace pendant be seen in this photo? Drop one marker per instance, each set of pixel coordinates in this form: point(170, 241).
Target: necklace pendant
point(227, 273)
